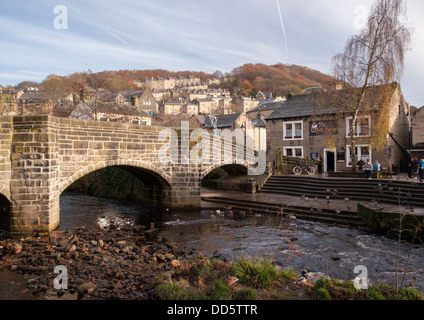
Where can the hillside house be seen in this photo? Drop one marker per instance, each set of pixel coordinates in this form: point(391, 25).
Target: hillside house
point(246, 103)
point(110, 112)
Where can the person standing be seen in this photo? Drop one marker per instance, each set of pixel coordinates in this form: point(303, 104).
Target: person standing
point(415, 165)
point(319, 164)
point(377, 168)
point(368, 170)
point(360, 164)
point(421, 168)
point(410, 167)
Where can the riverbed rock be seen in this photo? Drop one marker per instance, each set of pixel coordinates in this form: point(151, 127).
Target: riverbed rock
point(85, 288)
point(17, 248)
point(176, 263)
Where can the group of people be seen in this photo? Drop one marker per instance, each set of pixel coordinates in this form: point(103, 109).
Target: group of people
point(368, 168)
point(416, 168)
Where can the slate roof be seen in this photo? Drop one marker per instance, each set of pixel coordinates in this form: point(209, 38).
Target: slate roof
point(297, 107)
point(104, 107)
point(267, 105)
point(306, 105)
point(255, 123)
point(224, 121)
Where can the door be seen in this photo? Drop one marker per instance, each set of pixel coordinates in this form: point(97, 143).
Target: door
point(329, 161)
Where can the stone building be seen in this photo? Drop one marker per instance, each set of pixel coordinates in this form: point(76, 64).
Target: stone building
point(162, 83)
point(239, 121)
point(206, 105)
point(174, 106)
point(110, 112)
point(35, 102)
point(143, 100)
point(246, 103)
point(9, 101)
point(308, 125)
point(417, 132)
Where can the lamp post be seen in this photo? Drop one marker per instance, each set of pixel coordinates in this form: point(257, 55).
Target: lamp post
point(259, 128)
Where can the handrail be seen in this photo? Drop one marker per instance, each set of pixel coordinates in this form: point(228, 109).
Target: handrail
point(264, 178)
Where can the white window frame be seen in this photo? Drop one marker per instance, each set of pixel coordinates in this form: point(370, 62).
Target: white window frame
point(293, 123)
point(358, 154)
point(292, 148)
point(358, 126)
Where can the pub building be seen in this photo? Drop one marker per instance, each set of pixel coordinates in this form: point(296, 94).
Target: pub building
point(308, 125)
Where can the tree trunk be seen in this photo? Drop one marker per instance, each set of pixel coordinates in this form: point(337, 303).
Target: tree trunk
point(353, 143)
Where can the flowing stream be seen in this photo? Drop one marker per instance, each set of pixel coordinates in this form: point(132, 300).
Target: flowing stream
point(292, 243)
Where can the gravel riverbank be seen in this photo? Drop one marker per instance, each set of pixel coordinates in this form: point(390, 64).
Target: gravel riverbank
point(119, 262)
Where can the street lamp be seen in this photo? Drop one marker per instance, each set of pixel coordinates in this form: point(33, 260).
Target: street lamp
point(259, 128)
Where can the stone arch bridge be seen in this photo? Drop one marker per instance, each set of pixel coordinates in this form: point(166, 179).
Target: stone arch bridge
point(40, 156)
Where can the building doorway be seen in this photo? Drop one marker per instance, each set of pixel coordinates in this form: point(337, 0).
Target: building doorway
point(329, 160)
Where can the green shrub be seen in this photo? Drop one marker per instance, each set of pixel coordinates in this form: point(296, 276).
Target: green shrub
point(410, 294)
point(288, 275)
point(221, 290)
point(323, 283)
point(322, 294)
point(247, 294)
point(260, 274)
point(173, 291)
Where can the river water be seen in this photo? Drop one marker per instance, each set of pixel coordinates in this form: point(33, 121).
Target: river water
point(294, 244)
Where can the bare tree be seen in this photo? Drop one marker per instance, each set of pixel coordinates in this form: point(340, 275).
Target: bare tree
point(97, 82)
point(55, 88)
point(373, 57)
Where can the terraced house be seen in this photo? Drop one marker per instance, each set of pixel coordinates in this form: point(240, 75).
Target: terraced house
point(314, 124)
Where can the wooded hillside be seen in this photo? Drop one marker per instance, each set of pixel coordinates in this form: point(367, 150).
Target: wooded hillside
point(249, 79)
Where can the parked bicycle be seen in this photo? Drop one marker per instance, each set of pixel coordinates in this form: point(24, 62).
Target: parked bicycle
point(304, 168)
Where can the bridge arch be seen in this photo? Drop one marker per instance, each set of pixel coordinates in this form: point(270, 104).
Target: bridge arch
point(153, 172)
point(5, 191)
point(228, 164)
point(5, 205)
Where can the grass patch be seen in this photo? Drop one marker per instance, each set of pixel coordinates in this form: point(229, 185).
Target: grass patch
point(258, 274)
point(203, 278)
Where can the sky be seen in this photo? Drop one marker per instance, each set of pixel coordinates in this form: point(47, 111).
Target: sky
point(43, 37)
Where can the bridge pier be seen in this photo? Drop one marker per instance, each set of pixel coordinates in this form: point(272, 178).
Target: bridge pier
point(34, 169)
point(34, 173)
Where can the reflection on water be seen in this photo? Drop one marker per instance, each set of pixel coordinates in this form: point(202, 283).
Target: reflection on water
point(294, 244)
point(81, 210)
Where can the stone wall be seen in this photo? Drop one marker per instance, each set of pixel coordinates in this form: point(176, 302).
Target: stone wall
point(418, 126)
point(389, 221)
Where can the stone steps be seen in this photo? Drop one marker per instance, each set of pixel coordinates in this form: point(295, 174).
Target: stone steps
point(305, 213)
point(384, 191)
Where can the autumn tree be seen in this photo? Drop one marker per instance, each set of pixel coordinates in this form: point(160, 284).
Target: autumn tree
point(373, 57)
point(55, 88)
point(77, 85)
point(96, 82)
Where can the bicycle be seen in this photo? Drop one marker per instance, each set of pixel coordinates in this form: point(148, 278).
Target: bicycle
point(304, 168)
